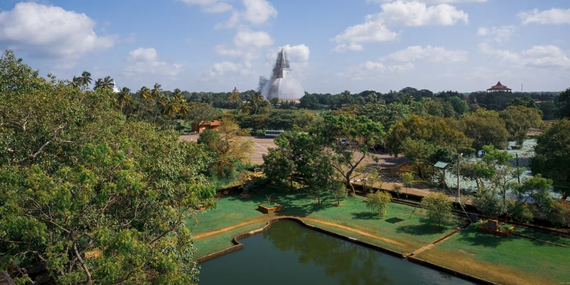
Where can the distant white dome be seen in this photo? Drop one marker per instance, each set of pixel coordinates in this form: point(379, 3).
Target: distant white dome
point(282, 84)
point(115, 88)
point(285, 88)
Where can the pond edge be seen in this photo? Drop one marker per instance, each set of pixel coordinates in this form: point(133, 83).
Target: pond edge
point(238, 246)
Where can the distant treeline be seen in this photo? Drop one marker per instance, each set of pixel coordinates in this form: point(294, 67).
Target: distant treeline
point(497, 101)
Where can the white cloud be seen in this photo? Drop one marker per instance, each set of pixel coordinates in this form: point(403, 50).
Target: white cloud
point(417, 14)
point(372, 68)
point(222, 68)
point(430, 1)
point(552, 16)
point(247, 45)
point(145, 61)
point(547, 57)
point(255, 12)
point(371, 31)
point(50, 31)
point(298, 54)
point(398, 13)
point(498, 34)
point(211, 6)
point(429, 53)
point(350, 46)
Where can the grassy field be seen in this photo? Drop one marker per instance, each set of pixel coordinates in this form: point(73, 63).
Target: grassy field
point(397, 230)
point(222, 241)
point(512, 260)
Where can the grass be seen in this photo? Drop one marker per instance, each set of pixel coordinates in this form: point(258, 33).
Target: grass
point(222, 241)
point(512, 260)
point(397, 230)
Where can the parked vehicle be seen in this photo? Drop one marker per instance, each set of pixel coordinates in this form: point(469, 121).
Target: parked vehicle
point(273, 133)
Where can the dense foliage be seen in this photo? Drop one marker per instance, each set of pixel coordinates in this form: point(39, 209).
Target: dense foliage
point(88, 196)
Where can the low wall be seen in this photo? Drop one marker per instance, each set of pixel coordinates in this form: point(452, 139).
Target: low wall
point(465, 276)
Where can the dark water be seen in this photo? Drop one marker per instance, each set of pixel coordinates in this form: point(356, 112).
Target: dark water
point(289, 253)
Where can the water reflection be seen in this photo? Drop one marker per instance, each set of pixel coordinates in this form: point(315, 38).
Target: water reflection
point(348, 262)
point(289, 253)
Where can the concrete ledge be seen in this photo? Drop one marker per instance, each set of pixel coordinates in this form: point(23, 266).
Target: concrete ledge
point(239, 246)
point(465, 276)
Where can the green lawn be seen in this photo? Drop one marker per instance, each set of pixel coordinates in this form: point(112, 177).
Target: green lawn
point(512, 260)
point(397, 230)
point(222, 241)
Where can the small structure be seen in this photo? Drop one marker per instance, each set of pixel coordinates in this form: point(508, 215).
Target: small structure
point(499, 88)
point(203, 125)
point(492, 227)
point(443, 166)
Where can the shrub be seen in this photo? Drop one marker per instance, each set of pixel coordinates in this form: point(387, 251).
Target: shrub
point(439, 208)
point(379, 202)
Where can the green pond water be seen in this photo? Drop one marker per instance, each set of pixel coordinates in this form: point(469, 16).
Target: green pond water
point(289, 253)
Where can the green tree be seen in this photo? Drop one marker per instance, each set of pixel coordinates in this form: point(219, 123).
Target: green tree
point(338, 191)
point(549, 110)
point(88, 196)
point(85, 79)
point(486, 128)
point(378, 202)
point(525, 101)
point(552, 152)
point(409, 180)
point(419, 153)
point(198, 112)
point(439, 132)
point(459, 105)
point(438, 208)
point(504, 174)
point(228, 147)
point(519, 120)
point(563, 103)
point(108, 82)
point(124, 97)
point(361, 135)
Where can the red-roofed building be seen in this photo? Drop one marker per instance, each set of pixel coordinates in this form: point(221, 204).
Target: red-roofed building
point(499, 88)
point(203, 125)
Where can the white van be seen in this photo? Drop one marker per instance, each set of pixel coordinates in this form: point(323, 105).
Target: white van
point(272, 133)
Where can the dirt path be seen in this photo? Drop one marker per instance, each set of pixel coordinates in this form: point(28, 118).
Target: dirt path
point(362, 233)
point(200, 236)
point(305, 219)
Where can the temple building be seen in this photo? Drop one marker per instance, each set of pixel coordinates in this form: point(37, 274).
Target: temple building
point(499, 88)
point(282, 85)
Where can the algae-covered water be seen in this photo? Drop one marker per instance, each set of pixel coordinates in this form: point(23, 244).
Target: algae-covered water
point(289, 253)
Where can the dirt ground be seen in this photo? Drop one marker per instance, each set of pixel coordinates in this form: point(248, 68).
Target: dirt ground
point(260, 145)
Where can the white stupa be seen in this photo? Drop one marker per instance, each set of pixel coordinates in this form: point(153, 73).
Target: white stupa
point(282, 84)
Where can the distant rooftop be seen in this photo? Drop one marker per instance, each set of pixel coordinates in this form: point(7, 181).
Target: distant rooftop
point(499, 87)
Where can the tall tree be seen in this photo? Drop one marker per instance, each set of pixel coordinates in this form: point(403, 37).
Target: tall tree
point(563, 103)
point(519, 120)
point(102, 206)
point(552, 152)
point(124, 97)
point(359, 135)
point(86, 78)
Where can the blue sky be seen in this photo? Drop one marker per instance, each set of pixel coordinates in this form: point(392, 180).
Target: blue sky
point(333, 45)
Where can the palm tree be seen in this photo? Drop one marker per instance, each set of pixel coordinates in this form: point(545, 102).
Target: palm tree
point(145, 95)
point(156, 94)
point(124, 97)
point(108, 82)
point(255, 101)
point(85, 78)
point(98, 84)
point(76, 82)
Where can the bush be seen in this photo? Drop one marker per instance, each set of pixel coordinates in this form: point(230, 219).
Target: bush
point(379, 202)
point(560, 214)
point(439, 208)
